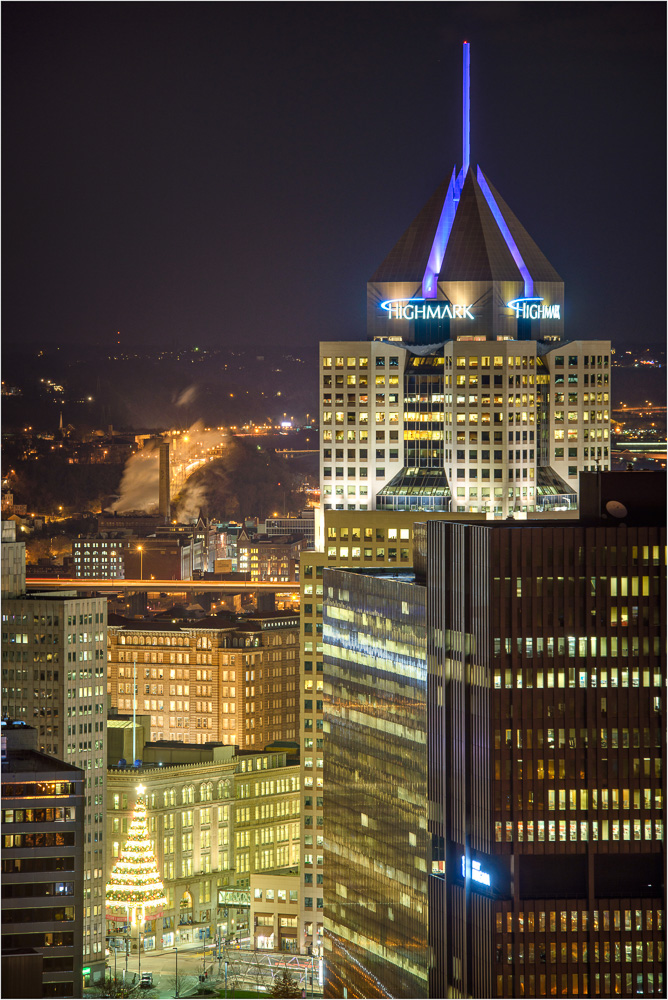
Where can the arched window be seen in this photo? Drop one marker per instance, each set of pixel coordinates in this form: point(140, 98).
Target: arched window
point(169, 797)
point(187, 794)
point(206, 791)
point(224, 789)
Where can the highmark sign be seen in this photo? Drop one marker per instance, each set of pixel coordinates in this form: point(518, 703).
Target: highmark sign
point(412, 309)
point(474, 871)
point(530, 308)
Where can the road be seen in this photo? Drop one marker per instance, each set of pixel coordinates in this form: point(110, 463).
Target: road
point(162, 586)
point(163, 965)
point(245, 969)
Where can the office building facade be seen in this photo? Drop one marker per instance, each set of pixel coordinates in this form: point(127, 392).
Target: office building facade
point(13, 562)
point(214, 823)
point(272, 559)
point(466, 395)
point(376, 540)
point(274, 910)
point(302, 524)
point(361, 421)
point(375, 790)
point(42, 869)
point(542, 738)
point(232, 681)
point(54, 658)
point(373, 539)
point(100, 558)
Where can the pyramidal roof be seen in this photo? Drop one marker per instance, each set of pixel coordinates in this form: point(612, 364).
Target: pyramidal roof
point(408, 258)
point(477, 248)
point(465, 232)
point(534, 258)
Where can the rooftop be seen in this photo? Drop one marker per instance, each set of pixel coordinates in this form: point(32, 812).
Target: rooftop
point(477, 247)
point(226, 622)
point(21, 761)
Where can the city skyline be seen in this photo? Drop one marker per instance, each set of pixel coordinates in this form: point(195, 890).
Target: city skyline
point(153, 170)
point(315, 569)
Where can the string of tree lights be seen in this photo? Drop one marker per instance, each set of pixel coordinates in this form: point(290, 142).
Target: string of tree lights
point(135, 884)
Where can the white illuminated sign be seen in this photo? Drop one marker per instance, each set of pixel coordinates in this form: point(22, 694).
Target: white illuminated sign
point(475, 872)
point(419, 309)
point(530, 308)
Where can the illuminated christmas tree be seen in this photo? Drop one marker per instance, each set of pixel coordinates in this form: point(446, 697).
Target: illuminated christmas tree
point(135, 884)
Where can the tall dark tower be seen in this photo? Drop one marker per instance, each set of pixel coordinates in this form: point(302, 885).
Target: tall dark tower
point(494, 742)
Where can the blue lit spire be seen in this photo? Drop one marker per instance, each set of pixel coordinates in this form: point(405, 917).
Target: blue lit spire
point(465, 232)
point(442, 234)
point(441, 237)
point(466, 119)
point(507, 235)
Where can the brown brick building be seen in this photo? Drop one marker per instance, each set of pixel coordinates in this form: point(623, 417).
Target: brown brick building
point(229, 680)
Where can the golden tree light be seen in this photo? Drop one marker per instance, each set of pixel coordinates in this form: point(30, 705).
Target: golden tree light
point(135, 883)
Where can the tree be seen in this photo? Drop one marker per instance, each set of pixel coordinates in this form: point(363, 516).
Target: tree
point(284, 986)
point(177, 985)
point(135, 884)
point(115, 988)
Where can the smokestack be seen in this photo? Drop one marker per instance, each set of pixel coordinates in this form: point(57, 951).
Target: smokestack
point(164, 498)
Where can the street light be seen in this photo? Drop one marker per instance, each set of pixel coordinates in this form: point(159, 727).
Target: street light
point(176, 972)
point(140, 550)
point(139, 927)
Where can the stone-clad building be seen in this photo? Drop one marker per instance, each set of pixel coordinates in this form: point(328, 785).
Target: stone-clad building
point(213, 824)
point(228, 679)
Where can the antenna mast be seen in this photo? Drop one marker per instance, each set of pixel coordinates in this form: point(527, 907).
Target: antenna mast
point(466, 130)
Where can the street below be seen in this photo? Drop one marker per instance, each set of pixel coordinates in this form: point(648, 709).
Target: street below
point(234, 968)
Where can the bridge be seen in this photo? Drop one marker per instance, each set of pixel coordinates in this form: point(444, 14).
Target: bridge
point(34, 583)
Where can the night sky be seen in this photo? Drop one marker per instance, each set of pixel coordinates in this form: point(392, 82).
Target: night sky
point(232, 173)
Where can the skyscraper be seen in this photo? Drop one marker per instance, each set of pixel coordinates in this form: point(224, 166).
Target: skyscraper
point(494, 737)
point(465, 396)
point(375, 540)
point(54, 661)
point(42, 869)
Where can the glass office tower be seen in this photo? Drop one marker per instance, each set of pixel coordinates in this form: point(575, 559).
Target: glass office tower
point(375, 786)
point(543, 765)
